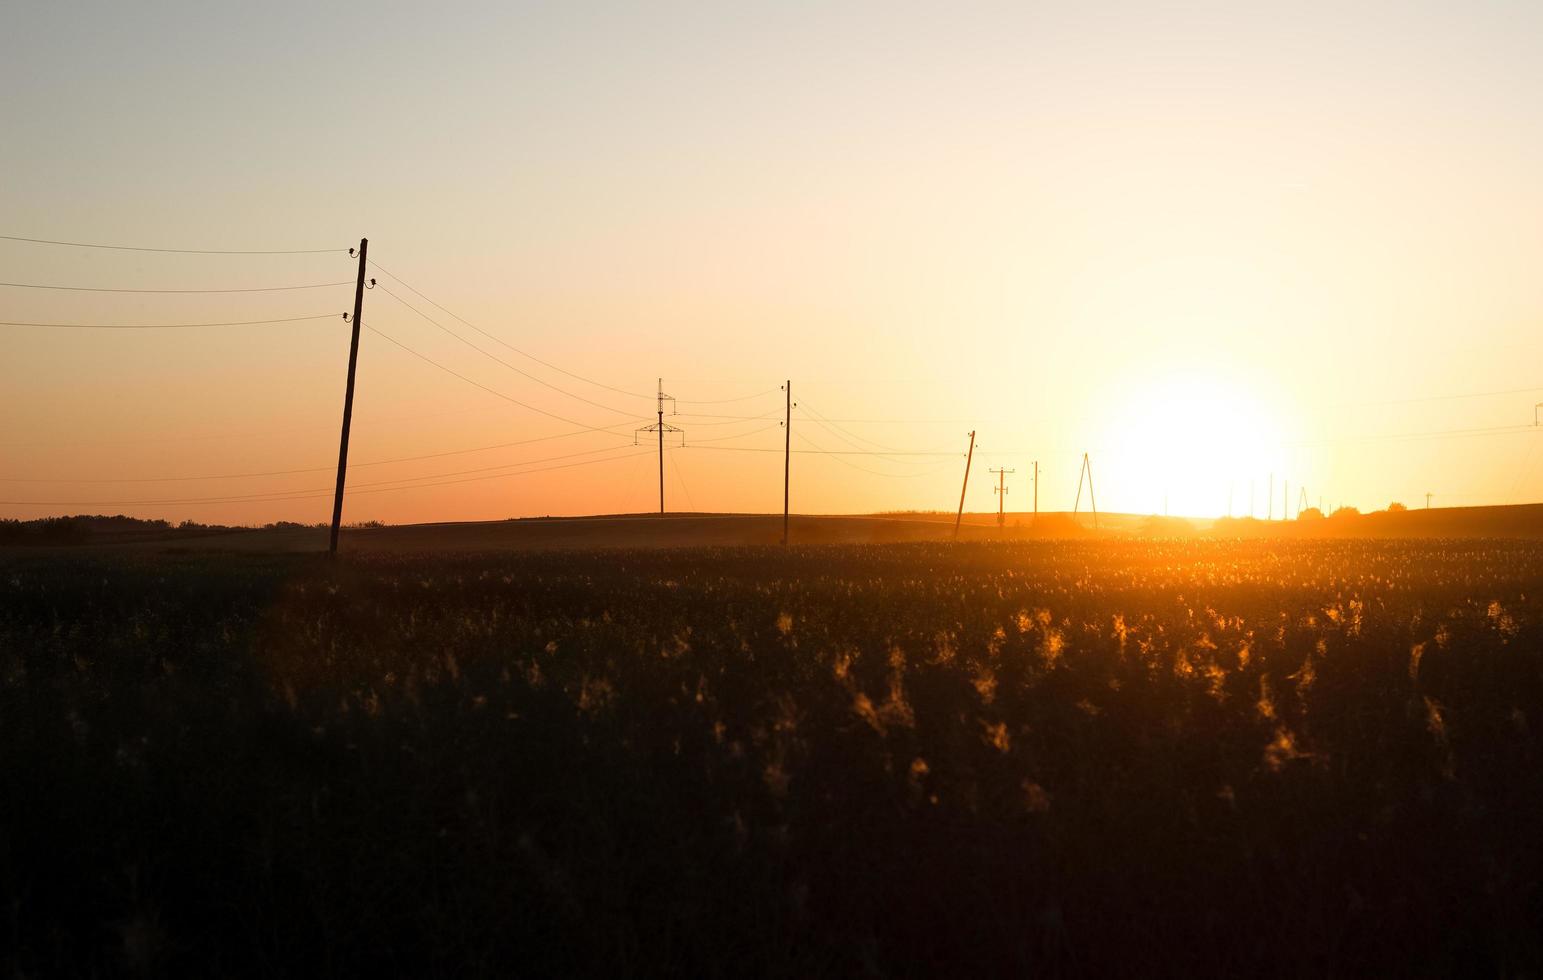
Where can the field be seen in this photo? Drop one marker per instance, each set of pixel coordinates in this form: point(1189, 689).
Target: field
point(1038, 757)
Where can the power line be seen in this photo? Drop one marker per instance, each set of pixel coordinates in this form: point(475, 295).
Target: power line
point(724, 401)
point(101, 289)
point(177, 251)
point(736, 420)
point(841, 458)
point(1442, 398)
point(821, 452)
point(311, 469)
point(1437, 434)
point(752, 418)
point(497, 340)
point(165, 326)
point(488, 469)
point(306, 494)
point(492, 391)
point(837, 431)
point(737, 435)
point(499, 360)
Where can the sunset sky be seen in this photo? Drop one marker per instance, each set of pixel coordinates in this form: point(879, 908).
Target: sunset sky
point(1203, 242)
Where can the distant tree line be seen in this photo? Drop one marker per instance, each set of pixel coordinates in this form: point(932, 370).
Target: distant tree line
point(98, 528)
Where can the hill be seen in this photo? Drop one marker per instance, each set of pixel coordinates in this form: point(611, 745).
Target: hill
point(688, 530)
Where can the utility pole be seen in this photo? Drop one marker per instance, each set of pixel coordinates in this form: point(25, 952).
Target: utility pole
point(1001, 489)
point(1087, 468)
point(661, 427)
point(967, 459)
point(1428, 495)
point(787, 457)
point(348, 401)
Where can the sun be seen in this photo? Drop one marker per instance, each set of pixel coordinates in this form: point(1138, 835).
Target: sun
point(1189, 443)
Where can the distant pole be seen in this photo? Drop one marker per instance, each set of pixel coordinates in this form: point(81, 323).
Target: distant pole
point(661, 428)
point(348, 403)
point(1428, 495)
point(787, 457)
point(1001, 489)
point(967, 460)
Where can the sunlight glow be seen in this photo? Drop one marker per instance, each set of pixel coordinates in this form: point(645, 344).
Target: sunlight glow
point(1185, 439)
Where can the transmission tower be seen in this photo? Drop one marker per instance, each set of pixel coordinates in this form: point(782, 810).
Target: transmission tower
point(661, 427)
point(1086, 471)
point(1001, 489)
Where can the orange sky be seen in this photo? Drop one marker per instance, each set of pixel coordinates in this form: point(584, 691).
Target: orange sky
point(1203, 244)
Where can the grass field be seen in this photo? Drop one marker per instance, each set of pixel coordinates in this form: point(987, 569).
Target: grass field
point(1046, 758)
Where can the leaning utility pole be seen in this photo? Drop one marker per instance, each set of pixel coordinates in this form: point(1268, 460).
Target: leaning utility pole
point(348, 401)
point(787, 457)
point(970, 456)
point(661, 428)
point(1001, 489)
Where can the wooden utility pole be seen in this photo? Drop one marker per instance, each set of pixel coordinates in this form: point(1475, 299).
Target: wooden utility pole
point(1428, 495)
point(661, 428)
point(787, 457)
point(967, 459)
point(1001, 489)
point(348, 402)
